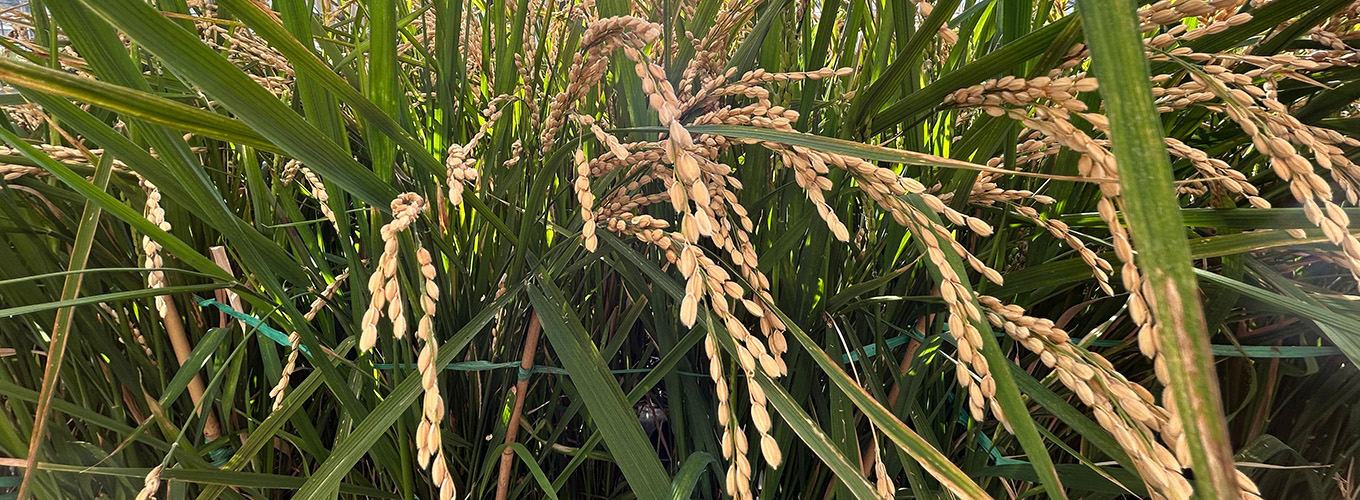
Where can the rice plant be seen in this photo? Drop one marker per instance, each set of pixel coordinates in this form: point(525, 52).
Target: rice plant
point(442, 249)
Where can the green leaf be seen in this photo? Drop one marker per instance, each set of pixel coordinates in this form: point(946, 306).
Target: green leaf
point(891, 78)
point(1273, 218)
point(205, 347)
point(61, 330)
point(1150, 206)
point(1341, 330)
point(195, 62)
point(349, 450)
point(682, 488)
point(597, 387)
point(382, 80)
point(107, 297)
point(541, 478)
point(214, 478)
point(117, 208)
point(1079, 476)
point(1007, 391)
point(931, 459)
point(132, 103)
point(987, 66)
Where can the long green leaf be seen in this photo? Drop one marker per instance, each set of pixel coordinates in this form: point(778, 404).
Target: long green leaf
point(178, 171)
point(860, 150)
point(597, 387)
point(61, 330)
point(107, 297)
point(195, 62)
point(690, 472)
point(799, 421)
point(1339, 329)
point(1075, 269)
point(129, 102)
point(348, 451)
point(214, 478)
point(882, 89)
point(382, 80)
point(1007, 391)
point(1008, 56)
point(1154, 218)
point(116, 208)
point(1274, 218)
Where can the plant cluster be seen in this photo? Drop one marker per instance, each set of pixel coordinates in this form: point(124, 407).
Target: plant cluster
point(911, 237)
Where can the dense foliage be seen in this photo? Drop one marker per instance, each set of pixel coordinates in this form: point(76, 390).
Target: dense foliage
point(679, 248)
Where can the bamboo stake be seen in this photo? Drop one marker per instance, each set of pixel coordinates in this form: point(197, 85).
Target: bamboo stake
point(174, 328)
point(526, 364)
point(219, 255)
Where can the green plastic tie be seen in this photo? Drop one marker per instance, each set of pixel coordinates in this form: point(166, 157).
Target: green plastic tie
point(265, 329)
